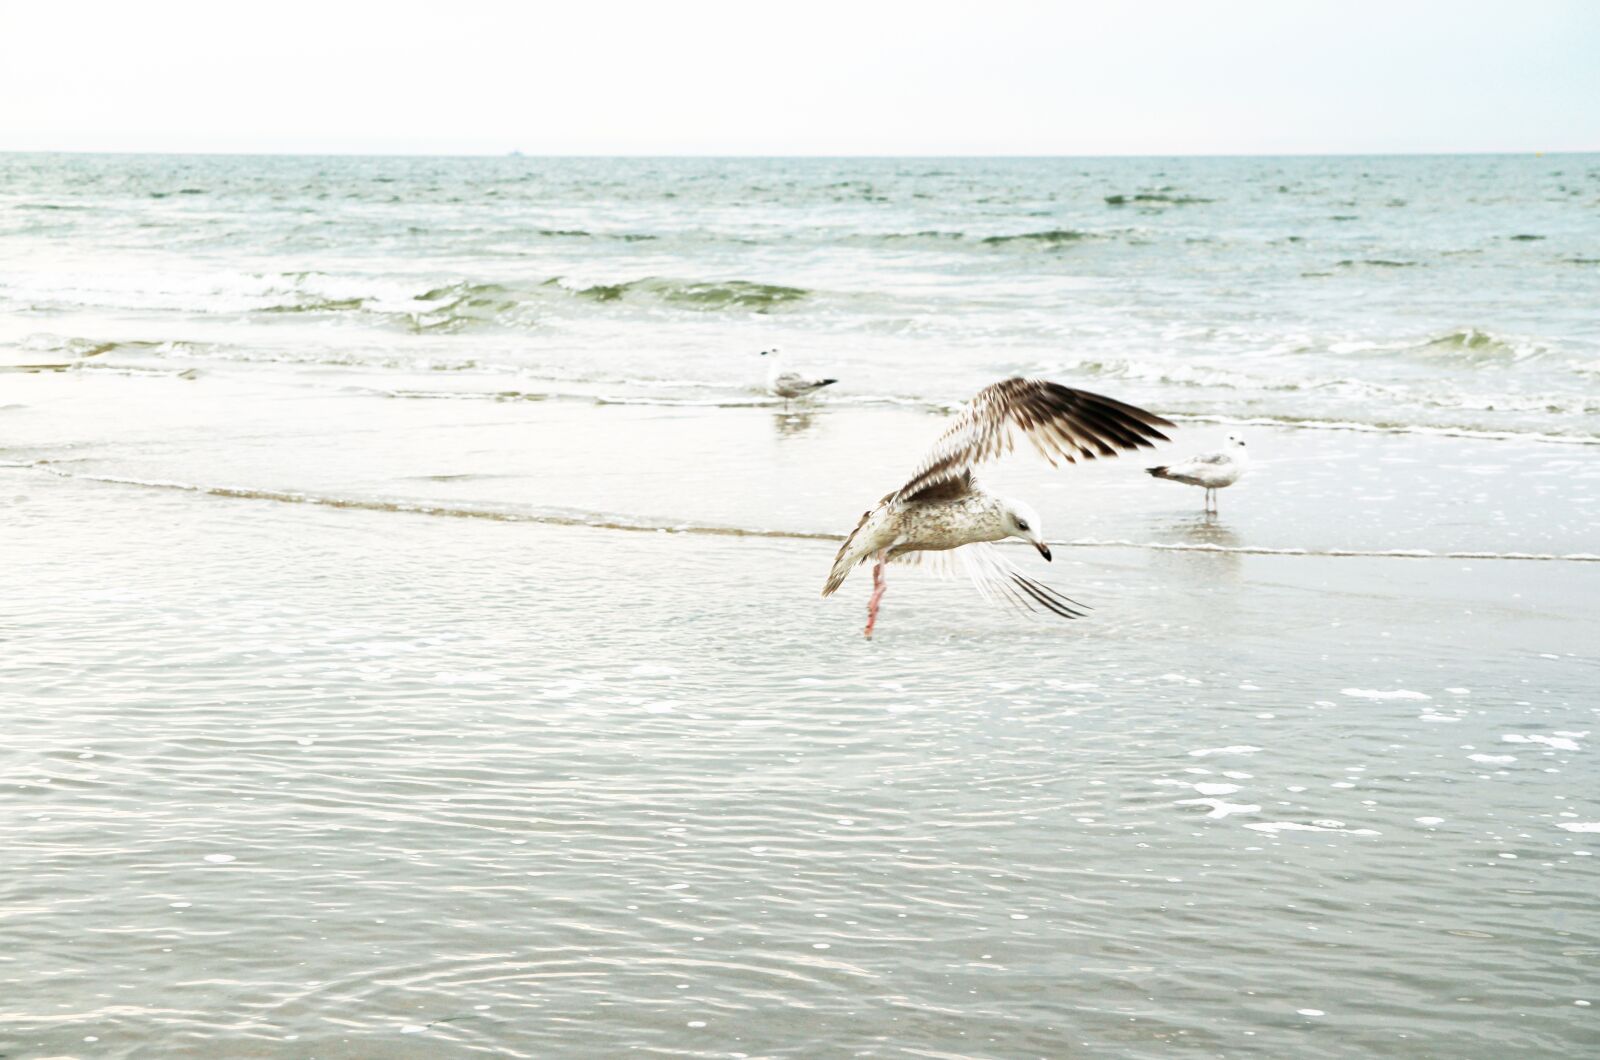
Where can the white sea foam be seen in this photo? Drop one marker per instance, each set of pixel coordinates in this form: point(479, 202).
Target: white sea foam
point(1559, 743)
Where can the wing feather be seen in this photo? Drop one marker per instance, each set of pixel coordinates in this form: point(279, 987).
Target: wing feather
point(996, 578)
point(1061, 423)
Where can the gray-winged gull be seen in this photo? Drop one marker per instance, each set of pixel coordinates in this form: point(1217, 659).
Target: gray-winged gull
point(789, 384)
point(1213, 471)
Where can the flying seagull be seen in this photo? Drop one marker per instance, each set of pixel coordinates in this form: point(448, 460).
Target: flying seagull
point(941, 507)
point(786, 384)
point(1211, 470)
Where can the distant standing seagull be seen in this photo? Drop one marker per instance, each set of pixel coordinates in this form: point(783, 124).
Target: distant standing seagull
point(941, 507)
point(1211, 470)
point(789, 385)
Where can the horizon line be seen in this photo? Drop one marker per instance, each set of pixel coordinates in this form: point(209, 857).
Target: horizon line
point(514, 153)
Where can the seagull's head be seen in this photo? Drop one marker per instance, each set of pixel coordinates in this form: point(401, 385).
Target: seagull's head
point(1236, 441)
point(1020, 520)
point(770, 353)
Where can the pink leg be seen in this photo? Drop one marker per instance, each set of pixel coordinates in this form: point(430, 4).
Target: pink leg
point(879, 584)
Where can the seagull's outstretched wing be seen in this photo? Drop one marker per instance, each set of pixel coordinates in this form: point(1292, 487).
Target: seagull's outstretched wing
point(1062, 423)
point(996, 578)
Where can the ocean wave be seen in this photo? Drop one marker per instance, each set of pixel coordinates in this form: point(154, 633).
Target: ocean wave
point(940, 239)
point(1053, 237)
point(1223, 391)
point(716, 396)
point(316, 305)
point(691, 294)
point(580, 233)
point(1376, 263)
point(1470, 345)
point(460, 303)
point(930, 234)
point(1441, 431)
point(84, 349)
point(574, 517)
point(466, 304)
point(1276, 379)
point(1160, 197)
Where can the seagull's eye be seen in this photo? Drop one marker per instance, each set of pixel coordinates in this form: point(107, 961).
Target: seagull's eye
point(1022, 524)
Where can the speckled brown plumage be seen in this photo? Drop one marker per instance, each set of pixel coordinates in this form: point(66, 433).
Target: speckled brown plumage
point(941, 507)
point(1058, 420)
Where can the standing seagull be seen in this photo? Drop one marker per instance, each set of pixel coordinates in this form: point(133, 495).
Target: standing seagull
point(942, 508)
point(789, 385)
point(1211, 470)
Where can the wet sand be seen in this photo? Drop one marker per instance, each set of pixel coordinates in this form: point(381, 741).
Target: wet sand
point(345, 779)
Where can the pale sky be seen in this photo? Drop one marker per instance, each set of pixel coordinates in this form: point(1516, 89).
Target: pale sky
point(821, 77)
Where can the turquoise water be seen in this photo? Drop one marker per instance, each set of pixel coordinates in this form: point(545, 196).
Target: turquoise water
point(412, 643)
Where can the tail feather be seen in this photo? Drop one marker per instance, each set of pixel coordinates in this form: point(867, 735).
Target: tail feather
point(825, 382)
point(846, 559)
point(1158, 472)
point(842, 565)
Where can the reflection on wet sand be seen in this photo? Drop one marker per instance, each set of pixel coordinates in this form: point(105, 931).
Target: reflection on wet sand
point(1202, 530)
point(791, 424)
point(1200, 565)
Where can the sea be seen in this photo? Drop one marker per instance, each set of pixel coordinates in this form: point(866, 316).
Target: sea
point(411, 641)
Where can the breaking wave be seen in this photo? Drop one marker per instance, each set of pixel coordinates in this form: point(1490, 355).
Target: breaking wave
point(1472, 346)
point(466, 304)
point(727, 294)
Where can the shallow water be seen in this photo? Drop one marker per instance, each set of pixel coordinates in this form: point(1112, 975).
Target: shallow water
point(360, 707)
